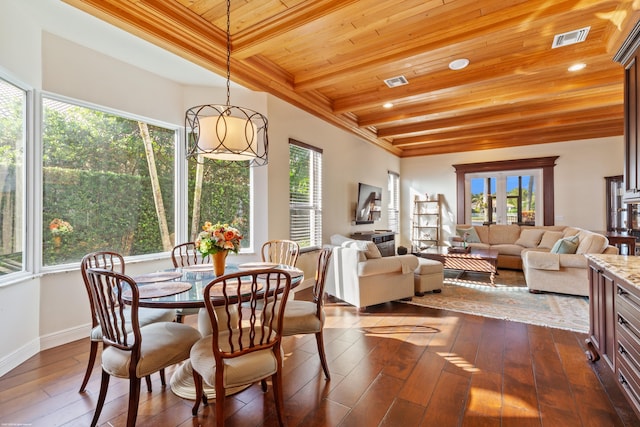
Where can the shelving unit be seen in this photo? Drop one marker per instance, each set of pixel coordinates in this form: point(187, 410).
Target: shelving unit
point(426, 223)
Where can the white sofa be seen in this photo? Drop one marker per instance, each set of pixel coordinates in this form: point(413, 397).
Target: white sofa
point(360, 276)
point(529, 248)
point(565, 273)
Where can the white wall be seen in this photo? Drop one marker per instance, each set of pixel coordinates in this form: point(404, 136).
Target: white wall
point(579, 179)
point(346, 159)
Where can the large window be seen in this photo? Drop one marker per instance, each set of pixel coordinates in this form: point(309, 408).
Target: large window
point(220, 191)
point(108, 184)
point(305, 194)
point(393, 186)
point(517, 191)
point(503, 198)
point(12, 142)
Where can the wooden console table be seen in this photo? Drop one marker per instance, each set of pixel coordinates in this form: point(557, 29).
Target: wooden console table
point(619, 239)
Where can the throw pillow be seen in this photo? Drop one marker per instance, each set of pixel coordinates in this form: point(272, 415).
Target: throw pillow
point(567, 245)
point(365, 247)
point(549, 238)
point(530, 237)
point(472, 236)
point(372, 251)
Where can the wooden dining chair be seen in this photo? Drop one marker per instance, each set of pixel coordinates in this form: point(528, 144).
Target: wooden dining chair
point(281, 252)
point(183, 255)
point(114, 262)
point(307, 317)
point(242, 349)
point(132, 351)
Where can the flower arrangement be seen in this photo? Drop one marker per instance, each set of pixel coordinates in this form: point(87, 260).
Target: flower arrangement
point(59, 226)
point(218, 237)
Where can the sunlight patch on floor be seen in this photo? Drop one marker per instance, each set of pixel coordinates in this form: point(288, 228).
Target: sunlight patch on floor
point(459, 361)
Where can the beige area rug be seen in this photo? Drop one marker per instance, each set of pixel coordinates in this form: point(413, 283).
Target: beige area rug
point(508, 300)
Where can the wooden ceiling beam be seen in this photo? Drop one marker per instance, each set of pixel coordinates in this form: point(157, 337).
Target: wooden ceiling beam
point(533, 130)
point(497, 83)
point(502, 114)
point(462, 144)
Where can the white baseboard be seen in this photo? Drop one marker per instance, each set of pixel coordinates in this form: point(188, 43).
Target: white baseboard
point(13, 360)
point(17, 357)
point(63, 337)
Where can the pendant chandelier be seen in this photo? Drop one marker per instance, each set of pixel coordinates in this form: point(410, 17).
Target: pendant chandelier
point(226, 132)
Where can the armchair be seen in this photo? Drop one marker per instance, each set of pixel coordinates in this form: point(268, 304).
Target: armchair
point(360, 277)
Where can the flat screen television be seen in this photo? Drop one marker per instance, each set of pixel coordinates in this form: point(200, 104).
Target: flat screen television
point(369, 205)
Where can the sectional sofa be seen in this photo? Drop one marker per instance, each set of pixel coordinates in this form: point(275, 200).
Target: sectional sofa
point(562, 269)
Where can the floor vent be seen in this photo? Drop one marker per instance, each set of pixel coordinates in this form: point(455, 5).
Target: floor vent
point(396, 81)
point(572, 37)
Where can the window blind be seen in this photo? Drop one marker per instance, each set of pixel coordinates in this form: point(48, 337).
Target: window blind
point(305, 194)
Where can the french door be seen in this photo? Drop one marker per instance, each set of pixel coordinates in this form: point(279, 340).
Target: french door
point(507, 197)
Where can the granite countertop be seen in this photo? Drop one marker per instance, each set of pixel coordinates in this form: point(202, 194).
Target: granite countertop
point(624, 266)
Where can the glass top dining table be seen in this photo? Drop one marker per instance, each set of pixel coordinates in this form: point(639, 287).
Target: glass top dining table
point(183, 287)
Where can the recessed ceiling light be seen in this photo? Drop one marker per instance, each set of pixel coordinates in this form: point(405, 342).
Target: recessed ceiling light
point(387, 105)
point(577, 67)
point(458, 64)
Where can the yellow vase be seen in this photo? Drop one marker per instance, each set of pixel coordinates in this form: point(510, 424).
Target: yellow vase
point(219, 259)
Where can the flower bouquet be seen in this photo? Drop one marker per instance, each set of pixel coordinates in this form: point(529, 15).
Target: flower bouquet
point(59, 227)
point(217, 240)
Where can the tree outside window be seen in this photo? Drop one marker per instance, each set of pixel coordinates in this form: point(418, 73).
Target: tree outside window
point(108, 180)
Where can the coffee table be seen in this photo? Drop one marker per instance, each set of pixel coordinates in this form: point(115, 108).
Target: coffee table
point(476, 260)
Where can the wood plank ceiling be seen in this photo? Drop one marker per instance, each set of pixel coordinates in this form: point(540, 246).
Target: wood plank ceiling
point(331, 57)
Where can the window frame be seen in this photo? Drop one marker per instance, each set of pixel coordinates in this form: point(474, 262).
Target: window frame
point(316, 203)
point(393, 190)
point(546, 187)
point(27, 261)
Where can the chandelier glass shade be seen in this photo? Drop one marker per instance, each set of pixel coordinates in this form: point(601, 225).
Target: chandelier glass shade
point(225, 132)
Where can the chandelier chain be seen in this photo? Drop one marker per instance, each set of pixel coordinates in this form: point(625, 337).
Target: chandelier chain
point(228, 52)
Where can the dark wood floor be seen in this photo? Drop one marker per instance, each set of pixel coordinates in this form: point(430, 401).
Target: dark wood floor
point(395, 365)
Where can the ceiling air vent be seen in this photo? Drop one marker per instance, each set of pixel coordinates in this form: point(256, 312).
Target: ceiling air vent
point(572, 37)
point(396, 81)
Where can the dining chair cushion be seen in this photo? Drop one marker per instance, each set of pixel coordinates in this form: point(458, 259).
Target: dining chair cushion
point(241, 370)
point(163, 344)
point(300, 318)
point(145, 317)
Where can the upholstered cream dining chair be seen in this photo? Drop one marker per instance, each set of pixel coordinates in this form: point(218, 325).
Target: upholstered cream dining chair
point(307, 317)
point(281, 252)
point(244, 349)
point(129, 350)
point(115, 262)
point(183, 255)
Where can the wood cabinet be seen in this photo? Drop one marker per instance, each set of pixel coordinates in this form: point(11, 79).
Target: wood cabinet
point(614, 327)
point(601, 339)
point(384, 240)
point(628, 56)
